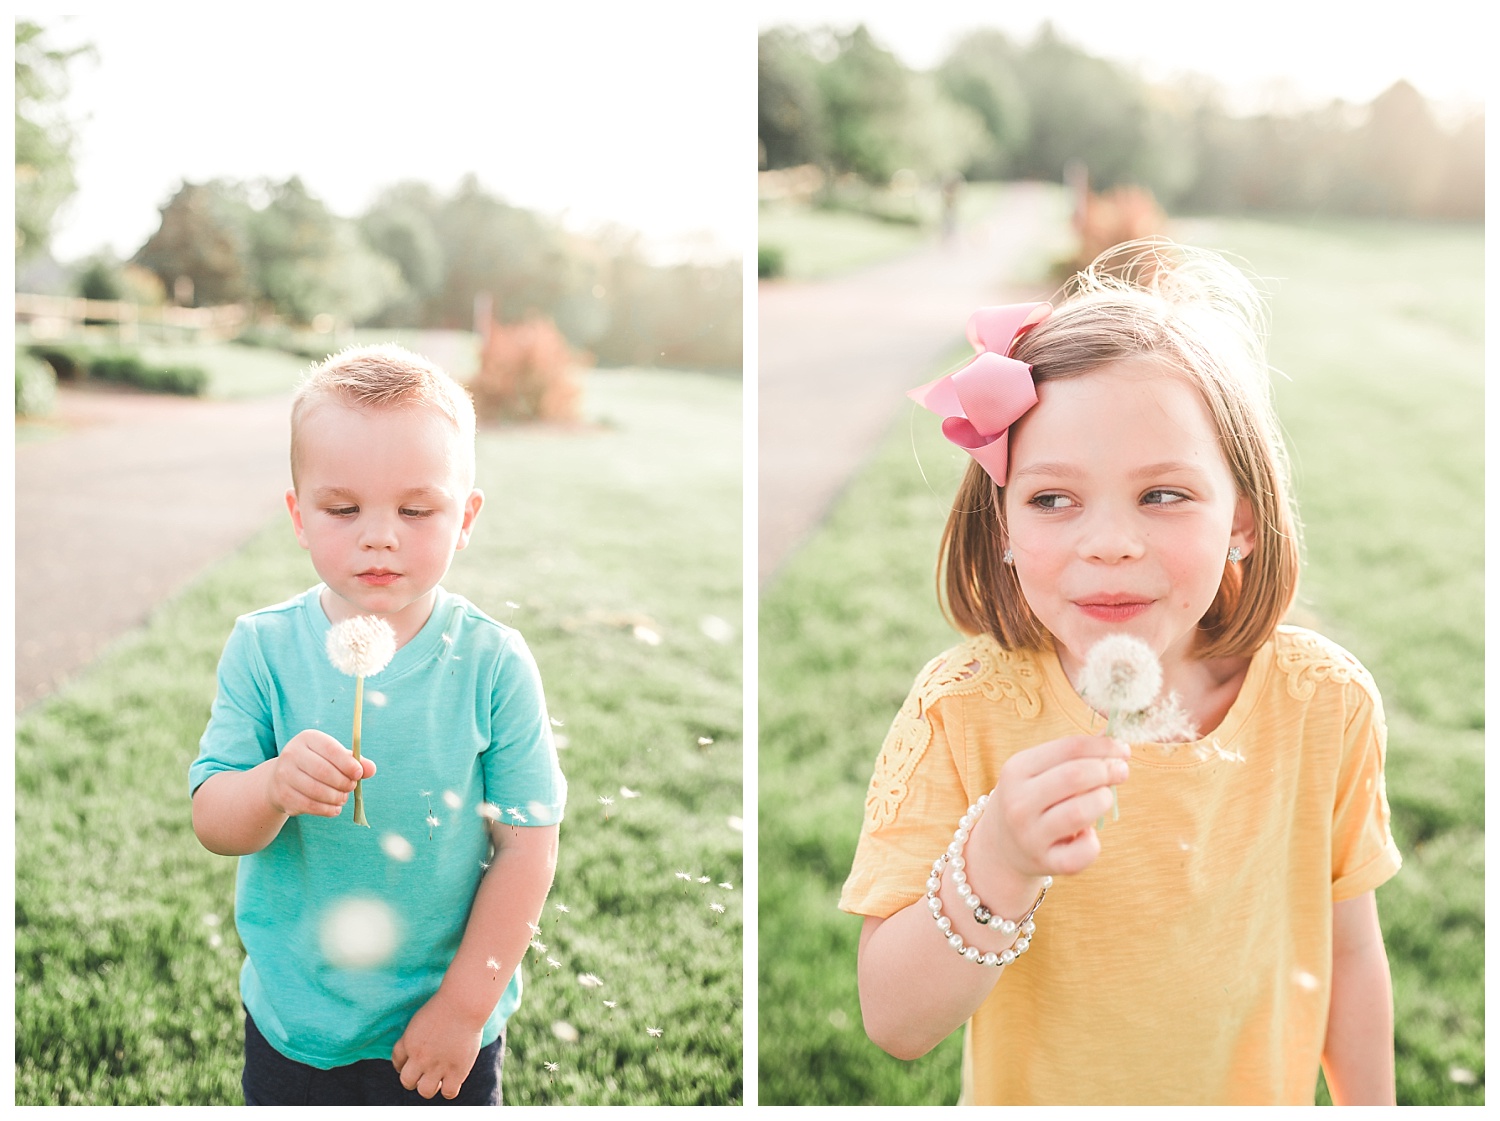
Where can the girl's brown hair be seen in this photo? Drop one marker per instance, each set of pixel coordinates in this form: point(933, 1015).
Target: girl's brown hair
point(1199, 316)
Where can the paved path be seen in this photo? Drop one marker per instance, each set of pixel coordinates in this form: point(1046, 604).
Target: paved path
point(124, 507)
point(836, 358)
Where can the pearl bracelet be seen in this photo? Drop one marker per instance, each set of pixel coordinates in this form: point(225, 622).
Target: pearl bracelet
point(954, 856)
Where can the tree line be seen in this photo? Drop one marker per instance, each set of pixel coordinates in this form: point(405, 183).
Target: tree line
point(995, 109)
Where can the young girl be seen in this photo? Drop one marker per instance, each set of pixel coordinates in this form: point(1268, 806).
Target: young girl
point(1219, 938)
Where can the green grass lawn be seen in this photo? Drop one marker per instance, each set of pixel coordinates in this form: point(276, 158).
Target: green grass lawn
point(615, 549)
point(1380, 331)
point(818, 244)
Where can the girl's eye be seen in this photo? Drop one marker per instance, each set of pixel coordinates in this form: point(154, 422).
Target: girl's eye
point(1163, 497)
point(1053, 501)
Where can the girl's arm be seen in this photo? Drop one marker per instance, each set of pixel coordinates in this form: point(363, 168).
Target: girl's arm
point(439, 1045)
point(914, 989)
point(1359, 1052)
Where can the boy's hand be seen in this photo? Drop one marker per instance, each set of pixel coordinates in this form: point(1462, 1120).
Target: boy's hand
point(314, 774)
point(436, 1051)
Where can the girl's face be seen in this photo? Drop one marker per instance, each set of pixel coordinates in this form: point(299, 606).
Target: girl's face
point(1121, 510)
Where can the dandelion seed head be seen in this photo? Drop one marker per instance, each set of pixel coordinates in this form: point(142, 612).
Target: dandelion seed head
point(361, 646)
point(565, 1031)
point(590, 981)
point(358, 933)
point(1120, 674)
point(396, 847)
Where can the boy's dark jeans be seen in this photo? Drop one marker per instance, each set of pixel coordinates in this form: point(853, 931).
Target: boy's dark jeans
point(271, 1078)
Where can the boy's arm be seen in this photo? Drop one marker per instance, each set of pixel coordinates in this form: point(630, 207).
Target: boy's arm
point(240, 812)
point(1358, 1053)
point(438, 1047)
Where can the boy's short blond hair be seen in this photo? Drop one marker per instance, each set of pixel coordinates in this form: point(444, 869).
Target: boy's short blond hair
point(1203, 320)
point(386, 376)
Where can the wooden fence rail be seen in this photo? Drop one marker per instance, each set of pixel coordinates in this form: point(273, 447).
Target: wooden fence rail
point(55, 317)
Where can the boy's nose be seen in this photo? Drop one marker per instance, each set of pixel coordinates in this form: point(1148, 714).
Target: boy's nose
point(379, 533)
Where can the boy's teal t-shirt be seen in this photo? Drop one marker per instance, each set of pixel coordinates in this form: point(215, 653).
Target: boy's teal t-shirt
point(347, 930)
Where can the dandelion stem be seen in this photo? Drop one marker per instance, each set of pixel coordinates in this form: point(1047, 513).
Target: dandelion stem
point(359, 794)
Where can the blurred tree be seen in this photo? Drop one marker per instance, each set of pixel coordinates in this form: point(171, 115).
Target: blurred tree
point(204, 237)
point(865, 97)
point(101, 278)
point(400, 226)
point(981, 72)
point(1399, 154)
point(44, 138)
point(793, 125)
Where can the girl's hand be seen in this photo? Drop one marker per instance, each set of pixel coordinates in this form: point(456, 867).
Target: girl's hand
point(1047, 799)
point(314, 774)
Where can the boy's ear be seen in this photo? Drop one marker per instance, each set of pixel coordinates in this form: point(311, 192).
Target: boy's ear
point(471, 511)
point(296, 512)
point(1242, 530)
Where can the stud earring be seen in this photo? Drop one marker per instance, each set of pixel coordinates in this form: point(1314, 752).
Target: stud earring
point(1235, 556)
point(1008, 558)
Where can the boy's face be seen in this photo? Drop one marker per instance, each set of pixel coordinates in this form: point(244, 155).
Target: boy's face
point(382, 502)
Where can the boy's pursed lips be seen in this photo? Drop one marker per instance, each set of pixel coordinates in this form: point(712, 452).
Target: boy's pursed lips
point(377, 576)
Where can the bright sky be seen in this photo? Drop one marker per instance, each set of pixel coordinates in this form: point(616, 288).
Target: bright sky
point(1259, 51)
point(593, 112)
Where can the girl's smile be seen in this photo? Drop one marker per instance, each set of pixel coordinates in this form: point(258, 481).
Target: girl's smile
point(1121, 509)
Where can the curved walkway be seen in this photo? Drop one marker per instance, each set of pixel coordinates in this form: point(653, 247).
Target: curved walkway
point(123, 507)
point(837, 357)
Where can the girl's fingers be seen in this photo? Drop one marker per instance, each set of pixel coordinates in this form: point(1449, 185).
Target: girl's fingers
point(1071, 778)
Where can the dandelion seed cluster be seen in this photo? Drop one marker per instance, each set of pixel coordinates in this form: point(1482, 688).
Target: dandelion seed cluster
point(361, 646)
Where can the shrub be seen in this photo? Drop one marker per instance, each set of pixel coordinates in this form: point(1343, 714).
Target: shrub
point(36, 385)
point(124, 368)
point(526, 372)
point(770, 262)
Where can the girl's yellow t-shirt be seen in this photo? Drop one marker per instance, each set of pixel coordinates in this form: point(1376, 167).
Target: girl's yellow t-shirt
point(1190, 963)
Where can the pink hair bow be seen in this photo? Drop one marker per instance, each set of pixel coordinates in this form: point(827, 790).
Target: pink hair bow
point(981, 401)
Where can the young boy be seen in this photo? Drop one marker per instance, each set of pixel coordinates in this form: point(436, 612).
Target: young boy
point(381, 963)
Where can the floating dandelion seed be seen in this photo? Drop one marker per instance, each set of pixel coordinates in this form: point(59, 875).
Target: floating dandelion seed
point(716, 908)
point(360, 647)
point(1462, 1076)
point(704, 741)
point(452, 800)
point(736, 823)
point(559, 741)
point(513, 605)
point(606, 801)
point(211, 919)
point(563, 907)
point(565, 1031)
point(688, 876)
point(539, 946)
point(626, 792)
point(1304, 980)
point(654, 1033)
point(396, 847)
point(727, 887)
point(516, 815)
point(610, 1004)
point(556, 723)
point(535, 930)
point(358, 934)
point(553, 963)
point(551, 1070)
point(215, 941)
point(491, 963)
point(705, 879)
point(590, 981)
point(716, 628)
point(488, 811)
point(646, 635)
point(432, 823)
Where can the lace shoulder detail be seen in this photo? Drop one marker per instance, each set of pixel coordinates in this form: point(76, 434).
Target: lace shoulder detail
point(1307, 659)
point(976, 667)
